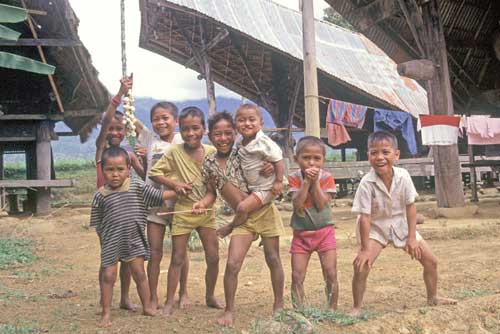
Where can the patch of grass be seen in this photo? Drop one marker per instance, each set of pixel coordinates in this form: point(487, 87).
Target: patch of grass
point(20, 327)
point(423, 310)
point(316, 314)
point(470, 293)
point(16, 251)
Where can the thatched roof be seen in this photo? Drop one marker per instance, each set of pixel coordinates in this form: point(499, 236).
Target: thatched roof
point(84, 97)
point(471, 28)
point(259, 50)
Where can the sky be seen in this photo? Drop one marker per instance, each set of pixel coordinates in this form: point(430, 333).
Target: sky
point(99, 30)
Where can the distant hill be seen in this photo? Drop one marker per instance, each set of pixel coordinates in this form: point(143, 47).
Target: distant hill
point(70, 148)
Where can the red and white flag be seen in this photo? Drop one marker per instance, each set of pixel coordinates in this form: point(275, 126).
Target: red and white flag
point(439, 130)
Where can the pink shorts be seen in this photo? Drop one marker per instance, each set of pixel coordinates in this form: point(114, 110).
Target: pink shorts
point(322, 240)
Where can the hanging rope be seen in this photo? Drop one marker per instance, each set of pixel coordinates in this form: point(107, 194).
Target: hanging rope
point(128, 100)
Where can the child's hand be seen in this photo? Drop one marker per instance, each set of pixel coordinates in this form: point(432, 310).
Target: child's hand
point(183, 189)
point(267, 169)
point(224, 231)
point(140, 151)
point(126, 84)
point(361, 260)
point(412, 247)
point(198, 208)
point(312, 173)
point(277, 187)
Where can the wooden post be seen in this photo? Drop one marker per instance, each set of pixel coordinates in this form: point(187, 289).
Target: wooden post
point(448, 176)
point(311, 102)
point(2, 191)
point(43, 162)
point(207, 72)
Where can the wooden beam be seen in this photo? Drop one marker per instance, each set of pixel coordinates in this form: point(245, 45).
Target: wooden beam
point(36, 12)
point(41, 42)
point(209, 81)
point(82, 113)
point(218, 38)
point(17, 139)
point(36, 183)
point(414, 19)
point(42, 56)
point(369, 15)
point(311, 100)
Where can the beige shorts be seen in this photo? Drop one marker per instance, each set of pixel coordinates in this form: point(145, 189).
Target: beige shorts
point(266, 222)
point(264, 196)
point(154, 218)
point(378, 235)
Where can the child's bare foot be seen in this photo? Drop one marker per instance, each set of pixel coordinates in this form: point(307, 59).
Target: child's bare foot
point(356, 312)
point(226, 319)
point(224, 231)
point(168, 309)
point(441, 301)
point(184, 303)
point(128, 305)
point(214, 303)
point(105, 321)
point(277, 307)
point(150, 312)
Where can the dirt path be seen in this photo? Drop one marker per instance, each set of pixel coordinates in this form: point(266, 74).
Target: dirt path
point(58, 293)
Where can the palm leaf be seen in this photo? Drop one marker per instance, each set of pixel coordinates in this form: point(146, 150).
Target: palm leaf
point(16, 62)
point(11, 14)
point(7, 33)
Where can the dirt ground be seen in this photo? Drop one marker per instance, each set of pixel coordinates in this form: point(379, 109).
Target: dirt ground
point(58, 293)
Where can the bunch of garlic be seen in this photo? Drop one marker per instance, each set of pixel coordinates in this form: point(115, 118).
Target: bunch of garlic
point(129, 117)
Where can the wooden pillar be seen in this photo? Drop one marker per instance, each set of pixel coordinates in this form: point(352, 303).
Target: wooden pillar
point(311, 106)
point(207, 72)
point(2, 191)
point(43, 167)
point(448, 176)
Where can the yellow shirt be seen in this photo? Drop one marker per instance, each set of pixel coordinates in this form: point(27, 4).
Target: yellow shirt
point(175, 164)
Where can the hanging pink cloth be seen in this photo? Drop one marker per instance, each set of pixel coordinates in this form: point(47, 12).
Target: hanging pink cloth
point(483, 130)
point(337, 134)
point(341, 114)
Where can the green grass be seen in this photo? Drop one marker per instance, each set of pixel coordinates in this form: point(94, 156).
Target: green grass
point(471, 293)
point(16, 251)
point(20, 327)
point(315, 314)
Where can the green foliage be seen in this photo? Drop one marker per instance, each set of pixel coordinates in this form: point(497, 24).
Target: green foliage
point(20, 327)
point(332, 16)
point(470, 293)
point(315, 314)
point(16, 251)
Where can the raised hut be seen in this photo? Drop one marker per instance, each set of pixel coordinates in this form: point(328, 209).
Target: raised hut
point(31, 104)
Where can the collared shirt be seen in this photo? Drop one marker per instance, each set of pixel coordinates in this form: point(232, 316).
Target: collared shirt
point(253, 156)
point(386, 208)
point(232, 172)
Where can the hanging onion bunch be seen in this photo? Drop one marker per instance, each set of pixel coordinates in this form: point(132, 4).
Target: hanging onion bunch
point(129, 117)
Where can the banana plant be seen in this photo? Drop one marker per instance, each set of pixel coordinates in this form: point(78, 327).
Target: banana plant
point(11, 14)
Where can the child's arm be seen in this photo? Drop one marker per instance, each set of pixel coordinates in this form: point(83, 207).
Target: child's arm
point(179, 187)
point(319, 196)
point(164, 166)
point(138, 167)
point(299, 197)
point(169, 195)
point(100, 143)
point(362, 258)
point(207, 201)
point(412, 246)
point(278, 182)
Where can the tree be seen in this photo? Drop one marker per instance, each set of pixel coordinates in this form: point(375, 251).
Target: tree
point(332, 16)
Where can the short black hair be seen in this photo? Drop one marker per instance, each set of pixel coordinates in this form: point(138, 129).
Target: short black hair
point(167, 105)
point(309, 141)
point(193, 112)
point(216, 118)
point(379, 136)
point(113, 152)
point(249, 106)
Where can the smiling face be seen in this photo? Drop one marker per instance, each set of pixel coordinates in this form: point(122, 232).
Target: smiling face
point(192, 131)
point(116, 132)
point(115, 171)
point(163, 123)
point(382, 154)
point(248, 122)
point(222, 136)
point(310, 156)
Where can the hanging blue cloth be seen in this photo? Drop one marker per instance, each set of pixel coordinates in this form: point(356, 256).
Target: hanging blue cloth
point(397, 121)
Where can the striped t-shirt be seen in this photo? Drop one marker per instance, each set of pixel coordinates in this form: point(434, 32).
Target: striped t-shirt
point(119, 218)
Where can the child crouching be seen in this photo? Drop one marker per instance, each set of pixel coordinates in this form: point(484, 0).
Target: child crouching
point(119, 216)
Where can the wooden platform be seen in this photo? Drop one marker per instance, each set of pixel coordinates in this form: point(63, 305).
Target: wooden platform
point(9, 184)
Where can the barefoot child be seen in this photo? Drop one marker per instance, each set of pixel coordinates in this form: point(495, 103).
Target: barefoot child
point(180, 169)
point(254, 150)
point(222, 171)
point(111, 135)
point(313, 231)
point(119, 216)
point(163, 117)
point(385, 202)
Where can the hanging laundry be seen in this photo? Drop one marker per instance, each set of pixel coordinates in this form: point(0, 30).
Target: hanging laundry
point(341, 114)
point(439, 129)
point(397, 121)
point(483, 130)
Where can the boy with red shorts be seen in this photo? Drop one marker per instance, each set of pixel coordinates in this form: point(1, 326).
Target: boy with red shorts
point(313, 230)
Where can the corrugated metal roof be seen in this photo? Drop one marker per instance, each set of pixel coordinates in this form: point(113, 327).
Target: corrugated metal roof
point(346, 55)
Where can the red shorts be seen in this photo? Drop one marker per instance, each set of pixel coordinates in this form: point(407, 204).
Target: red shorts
point(322, 240)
